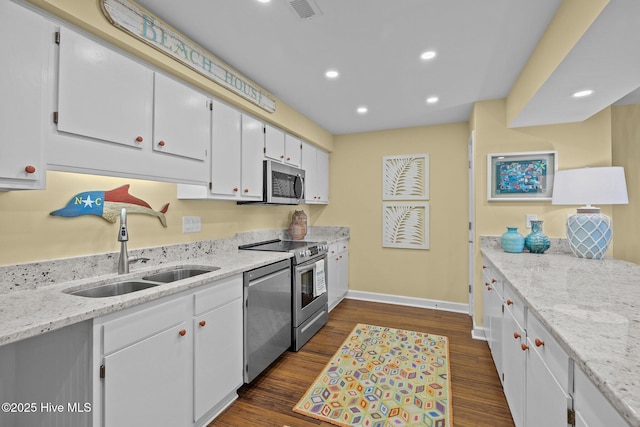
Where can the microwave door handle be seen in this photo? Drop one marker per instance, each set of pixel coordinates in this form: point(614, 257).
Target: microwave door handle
point(301, 195)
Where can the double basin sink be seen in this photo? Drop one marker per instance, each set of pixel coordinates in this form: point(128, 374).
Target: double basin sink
point(145, 282)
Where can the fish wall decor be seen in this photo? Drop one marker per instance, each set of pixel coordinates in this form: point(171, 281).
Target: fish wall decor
point(108, 204)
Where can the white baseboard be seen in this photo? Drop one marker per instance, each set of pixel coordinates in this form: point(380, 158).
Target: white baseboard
point(409, 301)
point(477, 333)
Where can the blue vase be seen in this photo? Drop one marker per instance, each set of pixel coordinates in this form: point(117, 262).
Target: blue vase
point(512, 241)
point(536, 242)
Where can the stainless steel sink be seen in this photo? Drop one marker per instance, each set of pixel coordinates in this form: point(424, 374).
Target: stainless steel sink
point(178, 274)
point(113, 289)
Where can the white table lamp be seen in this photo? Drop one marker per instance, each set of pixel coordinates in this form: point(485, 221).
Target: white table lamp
point(589, 232)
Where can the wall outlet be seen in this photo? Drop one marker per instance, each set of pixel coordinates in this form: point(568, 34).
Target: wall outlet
point(529, 218)
point(191, 224)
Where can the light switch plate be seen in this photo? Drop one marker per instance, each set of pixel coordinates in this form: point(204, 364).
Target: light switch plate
point(529, 218)
point(191, 224)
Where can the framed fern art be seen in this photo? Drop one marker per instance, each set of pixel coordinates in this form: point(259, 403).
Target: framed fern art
point(405, 177)
point(405, 225)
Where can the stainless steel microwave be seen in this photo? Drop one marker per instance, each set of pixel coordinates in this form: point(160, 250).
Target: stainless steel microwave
point(281, 184)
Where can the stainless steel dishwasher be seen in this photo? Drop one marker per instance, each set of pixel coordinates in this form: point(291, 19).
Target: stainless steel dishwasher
point(267, 316)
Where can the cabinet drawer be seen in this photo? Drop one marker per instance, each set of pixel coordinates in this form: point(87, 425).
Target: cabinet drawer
point(333, 249)
point(514, 304)
point(131, 328)
point(221, 293)
point(489, 278)
point(541, 341)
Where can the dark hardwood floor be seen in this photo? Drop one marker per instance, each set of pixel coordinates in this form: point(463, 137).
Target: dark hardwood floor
point(478, 399)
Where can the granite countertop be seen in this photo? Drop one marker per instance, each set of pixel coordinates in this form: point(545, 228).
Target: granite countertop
point(592, 307)
point(33, 299)
point(31, 312)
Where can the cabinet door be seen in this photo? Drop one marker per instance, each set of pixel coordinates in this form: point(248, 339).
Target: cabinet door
point(292, 150)
point(252, 157)
point(546, 400)
point(322, 176)
point(182, 119)
point(25, 73)
point(343, 274)
point(225, 150)
point(148, 382)
point(218, 357)
point(273, 143)
point(513, 366)
point(591, 407)
point(102, 94)
point(308, 163)
point(332, 280)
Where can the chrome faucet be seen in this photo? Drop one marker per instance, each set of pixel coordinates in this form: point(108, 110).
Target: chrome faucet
point(123, 237)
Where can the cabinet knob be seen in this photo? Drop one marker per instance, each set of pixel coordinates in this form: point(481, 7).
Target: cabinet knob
point(30, 169)
point(161, 143)
point(516, 335)
point(202, 323)
point(288, 158)
point(235, 190)
point(524, 347)
point(484, 266)
point(488, 288)
point(539, 342)
point(246, 190)
point(493, 280)
point(486, 284)
point(139, 139)
point(509, 302)
point(282, 157)
point(182, 332)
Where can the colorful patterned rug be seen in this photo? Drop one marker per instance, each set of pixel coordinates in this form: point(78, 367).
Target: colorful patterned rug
point(383, 377)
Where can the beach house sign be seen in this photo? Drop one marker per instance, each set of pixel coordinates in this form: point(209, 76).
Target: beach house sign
point(143, 25)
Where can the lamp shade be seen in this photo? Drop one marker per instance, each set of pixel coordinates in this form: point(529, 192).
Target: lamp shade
point(590, 186)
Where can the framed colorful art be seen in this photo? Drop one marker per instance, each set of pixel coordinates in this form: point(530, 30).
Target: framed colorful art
point(525, 176)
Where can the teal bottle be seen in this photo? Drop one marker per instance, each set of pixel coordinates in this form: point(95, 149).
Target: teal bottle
point(536, 242)
point(512, 241)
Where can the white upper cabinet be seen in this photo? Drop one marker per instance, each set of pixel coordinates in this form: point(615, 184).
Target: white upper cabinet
point(315, 163)
point(252, 157)
point(237, 145)
point(225, 151)
point(111, 119)
point(182, 119)
point(103, 94)
point(25, 75)
point(282, 147)
point(292, 150)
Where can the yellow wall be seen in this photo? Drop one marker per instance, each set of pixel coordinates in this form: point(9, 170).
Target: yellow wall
point(626, 153)
point(578, 144)
point(30, 234)
point(439, 273)
point(87, 15)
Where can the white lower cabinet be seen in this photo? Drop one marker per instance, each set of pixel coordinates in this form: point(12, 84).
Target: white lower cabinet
point(591, 408)
point(217, 349)
point(542, 385)
point(175, 361)
point(337, 272)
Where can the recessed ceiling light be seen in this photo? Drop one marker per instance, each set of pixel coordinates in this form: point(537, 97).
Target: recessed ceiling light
point(432, 99)
point(362, 110)
point(583, 93)
point(264, 1)
point(430, 54)
point(331, 74)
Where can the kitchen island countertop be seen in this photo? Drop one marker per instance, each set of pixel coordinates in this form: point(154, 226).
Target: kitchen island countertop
point(592, 307)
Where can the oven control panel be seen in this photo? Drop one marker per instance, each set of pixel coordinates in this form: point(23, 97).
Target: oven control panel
point(311, 251)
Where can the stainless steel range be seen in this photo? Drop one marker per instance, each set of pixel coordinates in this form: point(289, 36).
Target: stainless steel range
point(310, 308)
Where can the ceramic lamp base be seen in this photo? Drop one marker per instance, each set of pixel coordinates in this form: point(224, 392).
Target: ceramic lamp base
point(589, 234)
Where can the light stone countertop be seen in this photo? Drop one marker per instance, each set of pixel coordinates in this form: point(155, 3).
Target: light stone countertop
point(31, 312)
point(33, 301)
point(592, 307)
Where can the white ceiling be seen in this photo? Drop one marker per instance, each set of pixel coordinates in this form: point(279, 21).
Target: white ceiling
point(375, 45)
